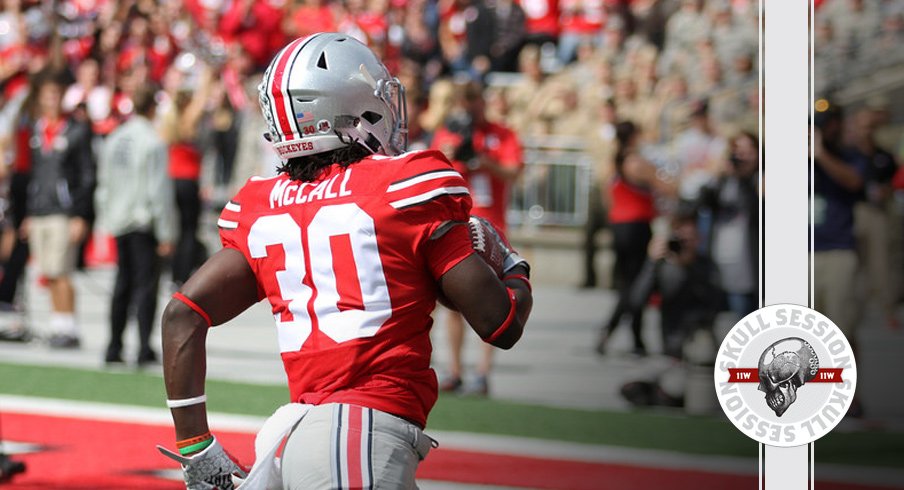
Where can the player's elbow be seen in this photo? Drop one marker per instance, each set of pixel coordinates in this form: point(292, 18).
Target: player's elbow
point(509, 338)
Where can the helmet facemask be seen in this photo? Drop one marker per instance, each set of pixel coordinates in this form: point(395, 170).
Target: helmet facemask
point(390, 135)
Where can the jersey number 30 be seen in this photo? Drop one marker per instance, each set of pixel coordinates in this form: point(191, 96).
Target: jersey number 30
point(338, 237)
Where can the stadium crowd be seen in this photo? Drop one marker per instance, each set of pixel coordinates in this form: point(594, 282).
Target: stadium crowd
point(681, 74)
point(663, 94)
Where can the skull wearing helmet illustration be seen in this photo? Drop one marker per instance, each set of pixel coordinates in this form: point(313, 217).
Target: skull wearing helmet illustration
point(784, 367)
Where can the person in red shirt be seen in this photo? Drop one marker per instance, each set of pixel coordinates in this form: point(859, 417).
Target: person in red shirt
point(351, 244)
point(310, 17)
point(631, 212)
point(179, 129)
point(489, 157)
point(542, 20)
point(256, 25)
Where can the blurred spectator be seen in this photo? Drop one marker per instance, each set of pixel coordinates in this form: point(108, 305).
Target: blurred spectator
point(135, 200)
point(699, 151)
point(310, 17)
point(489, 157)
point(508, 35)
point(650, 19)
point(541, 21)
point(440, 103)
point(15, 159)
point(421, 43)
point(601, 143)
point(683, 29)
point(88, 90)
point(522, 96)
point(467, 30)
point(853, 23)
point(671, 107)
point(733, 200)
point(688, 285)
point(580, 22)
point(838, 183)
point(180, 131)
point(255, 24)
point(873, 216)
point(60, 201)
point(631, 211)
point(628, 105)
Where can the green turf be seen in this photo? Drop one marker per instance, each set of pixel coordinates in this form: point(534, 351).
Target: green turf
point(695, 435)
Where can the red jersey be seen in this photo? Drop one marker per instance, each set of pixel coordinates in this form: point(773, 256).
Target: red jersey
point(630, 203)
point(542, 16)
point(489, 193)
point(349, 264)
point(184, 161)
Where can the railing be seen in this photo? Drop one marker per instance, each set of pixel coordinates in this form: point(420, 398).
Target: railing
point(555, 185)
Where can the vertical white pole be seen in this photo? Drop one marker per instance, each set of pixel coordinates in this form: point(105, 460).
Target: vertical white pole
point(786, 227)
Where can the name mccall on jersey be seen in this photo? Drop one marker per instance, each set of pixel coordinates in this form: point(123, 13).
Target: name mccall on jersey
point(785, 375)
point(287, 192)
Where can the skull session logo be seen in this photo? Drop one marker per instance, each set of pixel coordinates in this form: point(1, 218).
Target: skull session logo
point(785, 375)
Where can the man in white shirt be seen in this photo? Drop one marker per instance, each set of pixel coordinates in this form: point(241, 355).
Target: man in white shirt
point(135, 204)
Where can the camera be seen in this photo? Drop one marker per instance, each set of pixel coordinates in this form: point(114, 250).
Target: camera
point(675, 244)
point(462, 125)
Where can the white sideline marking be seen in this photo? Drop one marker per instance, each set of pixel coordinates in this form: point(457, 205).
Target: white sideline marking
point(464, 441)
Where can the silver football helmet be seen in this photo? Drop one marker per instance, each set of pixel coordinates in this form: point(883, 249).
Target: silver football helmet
point(327, 91)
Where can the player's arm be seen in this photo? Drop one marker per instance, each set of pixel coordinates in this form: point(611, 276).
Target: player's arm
point(841, 172)
point(221, 289)
point(497, 309)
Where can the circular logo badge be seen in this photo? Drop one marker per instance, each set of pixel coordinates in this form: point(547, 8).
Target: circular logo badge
point(785, 375)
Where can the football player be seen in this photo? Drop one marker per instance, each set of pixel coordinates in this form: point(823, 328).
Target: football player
point(352, 244)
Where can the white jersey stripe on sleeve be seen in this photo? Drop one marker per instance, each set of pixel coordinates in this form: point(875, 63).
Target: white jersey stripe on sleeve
point(229, 225)
point(417, 179)
point(429, 196)
point(233, 206)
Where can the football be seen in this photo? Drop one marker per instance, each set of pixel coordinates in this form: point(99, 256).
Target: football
point(485, 240)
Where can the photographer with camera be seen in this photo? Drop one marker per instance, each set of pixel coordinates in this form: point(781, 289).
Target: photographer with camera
point(731, 201)
point(488, 155)
point(688, 284)
point(838, 183)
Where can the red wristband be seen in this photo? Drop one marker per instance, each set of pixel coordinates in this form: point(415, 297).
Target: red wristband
point(508, 320)
point(521, 277)
point(194, 306)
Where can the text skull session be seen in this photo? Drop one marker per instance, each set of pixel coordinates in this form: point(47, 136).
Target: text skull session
point(785, 375)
